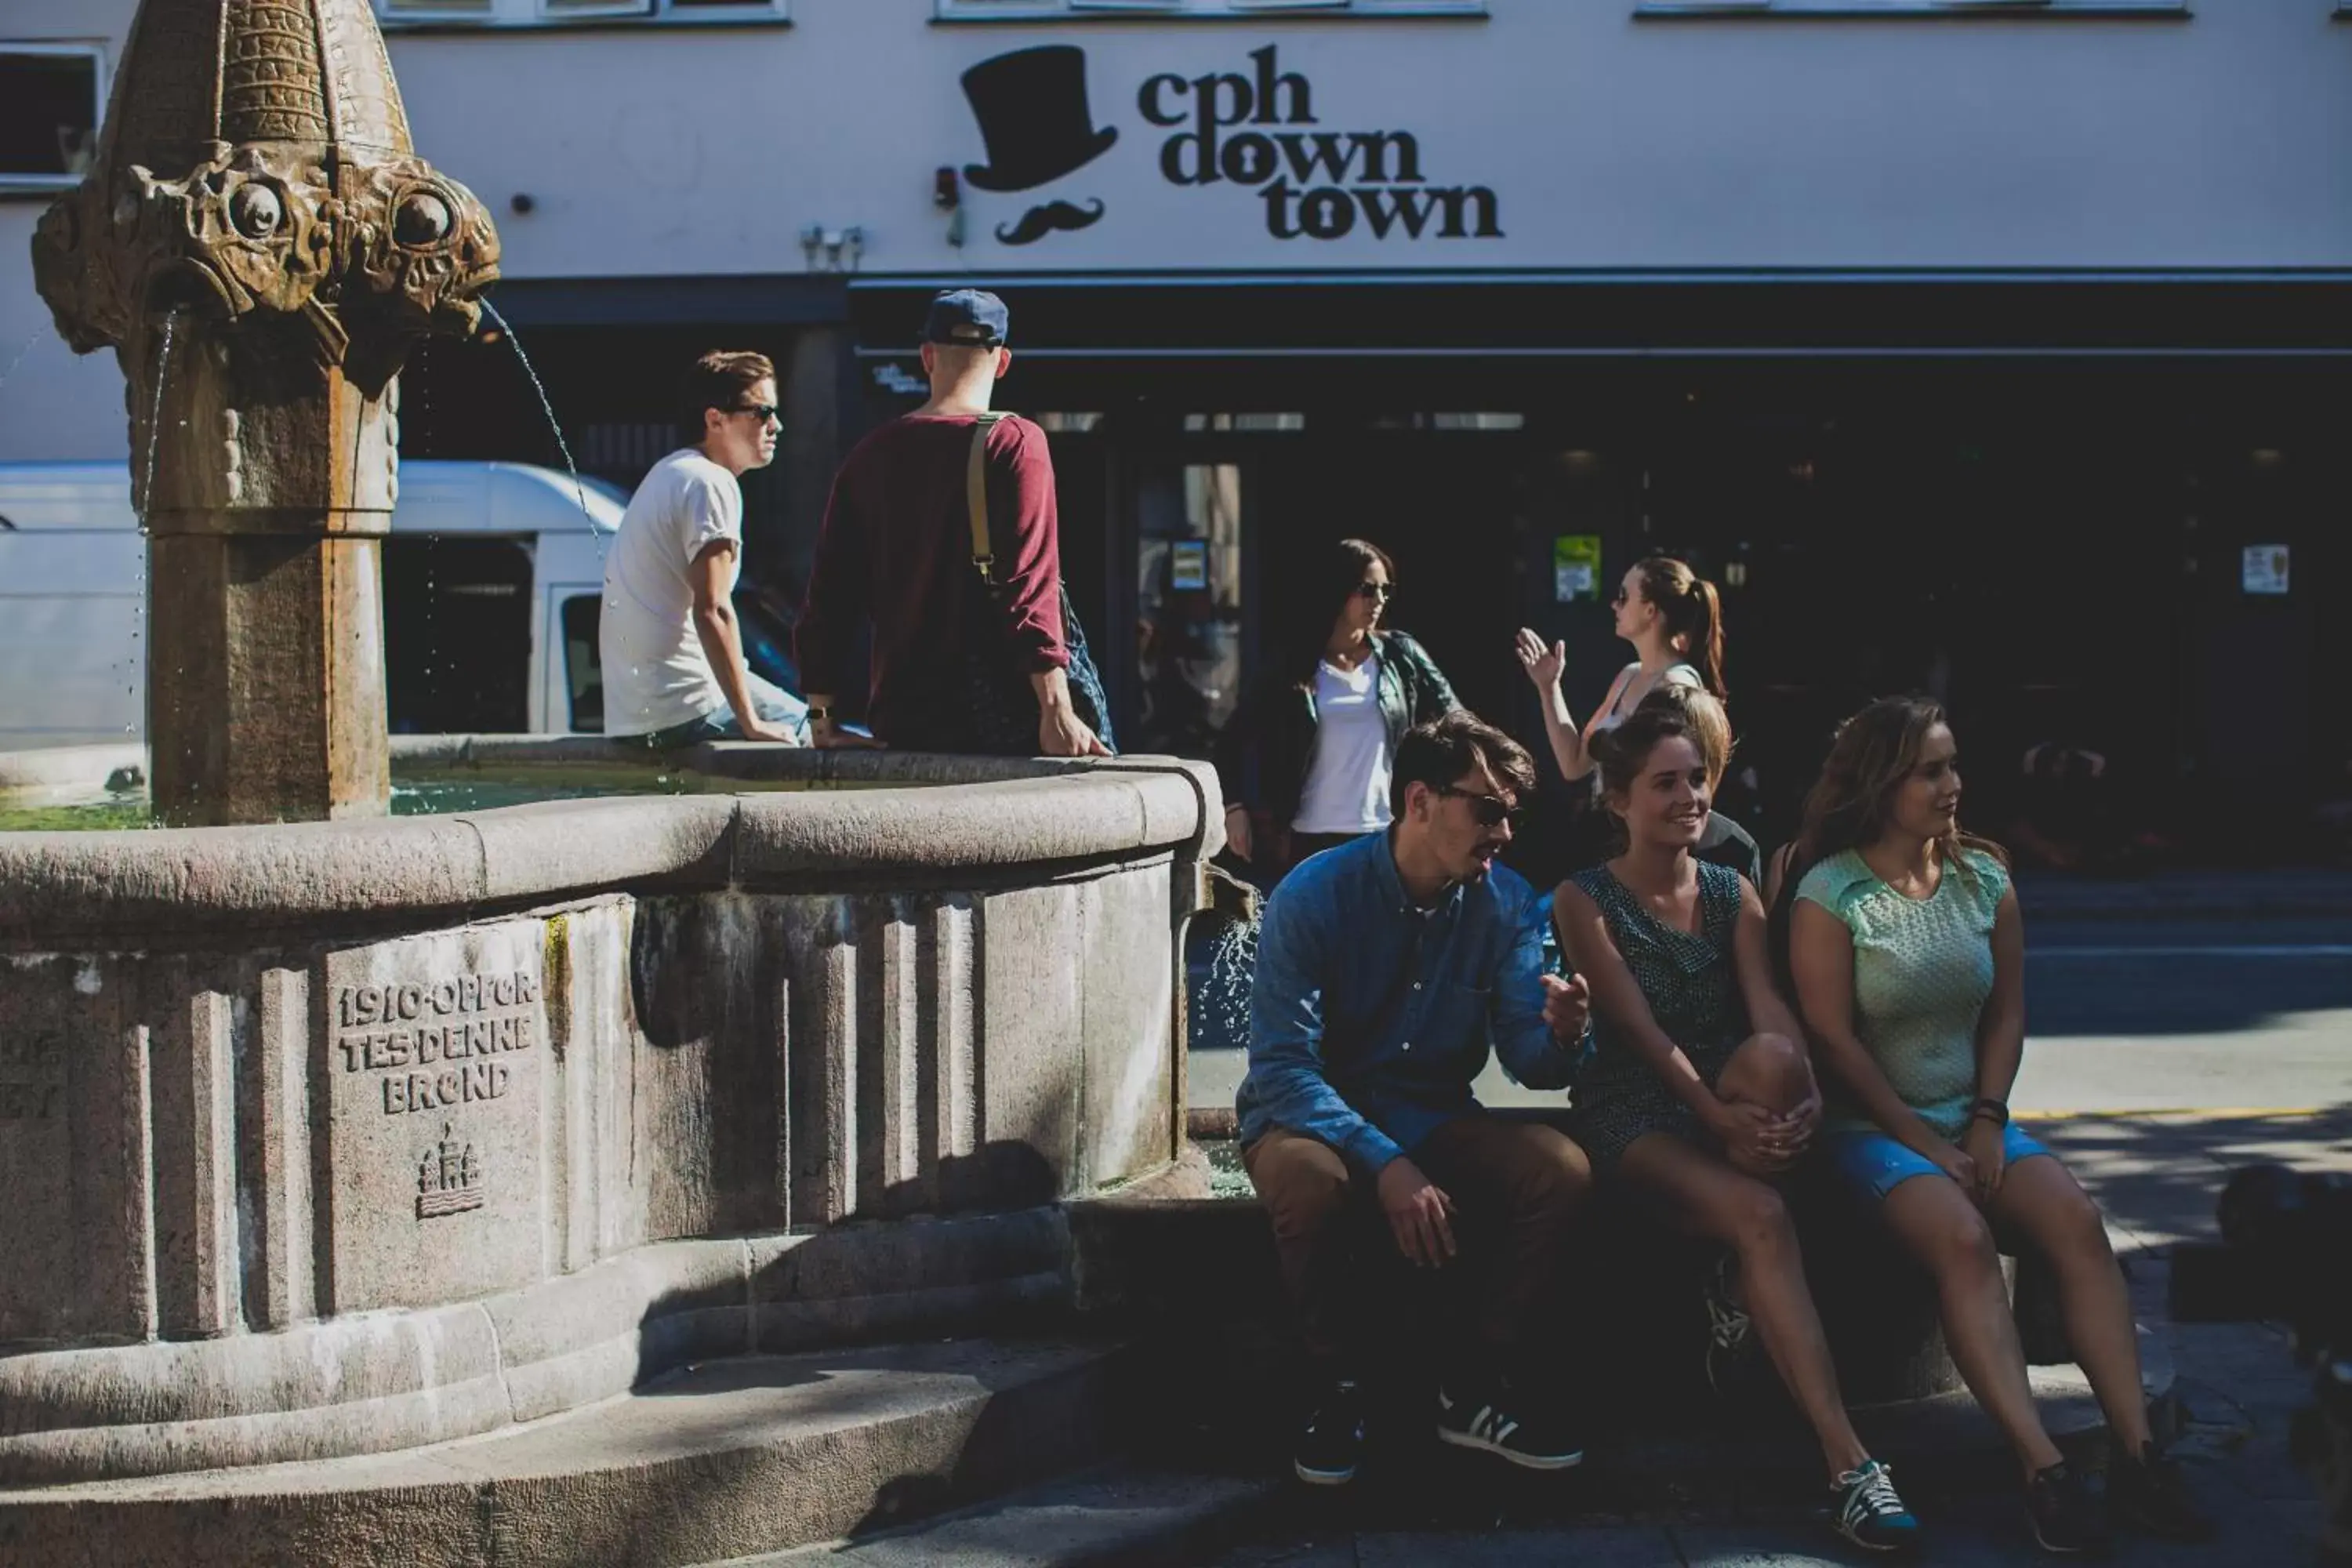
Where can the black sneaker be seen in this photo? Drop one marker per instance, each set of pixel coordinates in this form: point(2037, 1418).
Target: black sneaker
point(1729, 1327)
point(1529, 1441)
point(2147, 1492)
point(2065, 1517)
point(1868, 1513)
point(1333, 1438)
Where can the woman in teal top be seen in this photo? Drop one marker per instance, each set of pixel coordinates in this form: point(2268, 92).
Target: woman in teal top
point(1907, 954)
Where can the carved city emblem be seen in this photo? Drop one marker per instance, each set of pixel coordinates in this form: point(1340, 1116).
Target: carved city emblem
point(450, 1177)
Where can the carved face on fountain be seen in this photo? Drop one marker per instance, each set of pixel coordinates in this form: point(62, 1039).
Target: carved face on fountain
point(288, 185)
point(266, 228)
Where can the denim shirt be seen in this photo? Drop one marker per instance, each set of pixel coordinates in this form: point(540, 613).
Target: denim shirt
point(1369, 1017)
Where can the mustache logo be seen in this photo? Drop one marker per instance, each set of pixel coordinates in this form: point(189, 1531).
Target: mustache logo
point(1044, 218)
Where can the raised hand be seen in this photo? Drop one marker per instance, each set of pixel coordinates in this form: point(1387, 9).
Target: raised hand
point(1542, 664)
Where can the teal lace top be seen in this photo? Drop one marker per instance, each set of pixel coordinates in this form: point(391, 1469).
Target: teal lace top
point(1922, 973)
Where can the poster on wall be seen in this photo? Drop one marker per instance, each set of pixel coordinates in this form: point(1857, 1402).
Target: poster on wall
point(1576, 568)
point(2265, 569)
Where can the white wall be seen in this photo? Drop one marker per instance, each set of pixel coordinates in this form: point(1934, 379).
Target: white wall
point(2215, 142)
point(2219, 140)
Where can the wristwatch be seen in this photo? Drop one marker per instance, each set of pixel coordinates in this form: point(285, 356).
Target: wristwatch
point(1989, 1110)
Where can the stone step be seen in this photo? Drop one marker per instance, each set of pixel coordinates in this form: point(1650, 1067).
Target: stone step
point(725, 1460)
point(1120, 1514)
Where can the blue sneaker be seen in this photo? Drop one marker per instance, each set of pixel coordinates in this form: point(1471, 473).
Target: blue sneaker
point(1332, 1442)
point(1869, 1514)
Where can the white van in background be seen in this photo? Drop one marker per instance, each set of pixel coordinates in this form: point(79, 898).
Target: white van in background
point(491, 583)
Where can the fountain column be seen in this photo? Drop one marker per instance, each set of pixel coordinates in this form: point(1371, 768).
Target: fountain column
point(259, 244)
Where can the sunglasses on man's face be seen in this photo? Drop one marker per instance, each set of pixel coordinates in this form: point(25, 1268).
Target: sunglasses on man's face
point(763, 411)
point(1381, 592)
point(1492, 811)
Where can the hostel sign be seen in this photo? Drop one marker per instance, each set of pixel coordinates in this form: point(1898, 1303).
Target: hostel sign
point(1253, 130)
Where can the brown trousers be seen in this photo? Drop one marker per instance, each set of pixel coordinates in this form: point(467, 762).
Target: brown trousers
point(1517, 1182)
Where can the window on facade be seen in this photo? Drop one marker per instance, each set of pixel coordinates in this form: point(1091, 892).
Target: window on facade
point(584, 673)
point(50, 98)
point(1031, 10)
point(1867, 8)
point(555, 13)
point(1198, 423)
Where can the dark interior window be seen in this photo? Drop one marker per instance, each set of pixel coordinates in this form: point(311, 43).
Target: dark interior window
point(457, 633)
point(584, 674)
point(48, 114)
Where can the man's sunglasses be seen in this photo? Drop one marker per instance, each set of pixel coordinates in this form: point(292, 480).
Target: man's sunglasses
point(1491, 811)
point(766, 411)
point(1382, 591)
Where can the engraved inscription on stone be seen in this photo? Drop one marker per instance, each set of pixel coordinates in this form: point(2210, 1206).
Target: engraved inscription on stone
point(435, 1052)
point(436, 1045)
point(450, 1177)
point(32, 1076)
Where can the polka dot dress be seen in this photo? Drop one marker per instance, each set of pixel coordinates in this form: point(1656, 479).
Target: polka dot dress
point(1692, 987)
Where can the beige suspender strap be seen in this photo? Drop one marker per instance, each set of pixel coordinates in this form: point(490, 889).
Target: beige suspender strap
point(975, 496)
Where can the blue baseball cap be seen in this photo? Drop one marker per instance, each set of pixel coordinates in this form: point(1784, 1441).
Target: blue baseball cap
point(966, 318)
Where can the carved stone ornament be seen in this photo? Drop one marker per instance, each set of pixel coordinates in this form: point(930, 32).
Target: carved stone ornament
point(259, 244)
point(257, 158)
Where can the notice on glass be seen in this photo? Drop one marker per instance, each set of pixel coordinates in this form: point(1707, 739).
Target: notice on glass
point(2265, 569)
point(1188, 565)
point(1576, 567)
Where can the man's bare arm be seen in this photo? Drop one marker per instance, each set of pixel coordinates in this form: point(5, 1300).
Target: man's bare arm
point(722, 639)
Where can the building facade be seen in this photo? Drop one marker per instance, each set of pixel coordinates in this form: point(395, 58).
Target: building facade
point(1995, 349)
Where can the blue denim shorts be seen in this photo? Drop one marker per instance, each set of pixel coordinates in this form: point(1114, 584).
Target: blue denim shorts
point(1878, 1164)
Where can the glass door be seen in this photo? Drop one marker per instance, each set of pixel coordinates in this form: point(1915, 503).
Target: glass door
point(1191, 605)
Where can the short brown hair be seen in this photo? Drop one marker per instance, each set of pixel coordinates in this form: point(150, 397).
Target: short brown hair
point(1438, 752)
point(720, 379)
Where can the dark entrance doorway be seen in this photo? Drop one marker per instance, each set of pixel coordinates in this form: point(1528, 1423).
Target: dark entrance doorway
point(2053, 550)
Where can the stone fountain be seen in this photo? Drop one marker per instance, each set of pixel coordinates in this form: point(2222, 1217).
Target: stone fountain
point(649, 1180)
point(259, 244)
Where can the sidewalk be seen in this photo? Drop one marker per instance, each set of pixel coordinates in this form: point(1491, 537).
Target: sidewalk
point(2156, 1177)
point(2272, 893)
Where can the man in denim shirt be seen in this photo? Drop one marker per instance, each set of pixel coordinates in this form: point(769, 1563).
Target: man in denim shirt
point(1385, 969)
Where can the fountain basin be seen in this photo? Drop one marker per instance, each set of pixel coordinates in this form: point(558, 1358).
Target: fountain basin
point(337, 1137)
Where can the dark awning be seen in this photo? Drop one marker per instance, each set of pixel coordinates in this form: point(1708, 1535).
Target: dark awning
point(1695, 315)
point(783, 300)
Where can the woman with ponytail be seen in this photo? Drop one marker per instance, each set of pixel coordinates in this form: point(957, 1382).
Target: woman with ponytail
point(1674, 618)
point(1903, 937)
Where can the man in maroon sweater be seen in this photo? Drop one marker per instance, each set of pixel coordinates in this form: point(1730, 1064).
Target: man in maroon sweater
point(897, 551)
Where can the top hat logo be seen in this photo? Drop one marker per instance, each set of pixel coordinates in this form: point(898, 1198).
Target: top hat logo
point(1032, 108)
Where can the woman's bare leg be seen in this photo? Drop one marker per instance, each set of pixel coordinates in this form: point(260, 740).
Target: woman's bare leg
point(2044, 1202)
point(1716, 1201)
point(1940, 1226)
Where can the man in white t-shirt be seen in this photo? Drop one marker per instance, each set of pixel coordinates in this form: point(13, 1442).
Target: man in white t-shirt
point(672, 651)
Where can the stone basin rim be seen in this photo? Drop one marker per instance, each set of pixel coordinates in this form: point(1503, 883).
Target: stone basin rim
point(906, 821)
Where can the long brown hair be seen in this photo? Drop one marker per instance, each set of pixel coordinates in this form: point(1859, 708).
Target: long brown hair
point(1692, 611)
point(1336, 577)
point(1851, 804)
